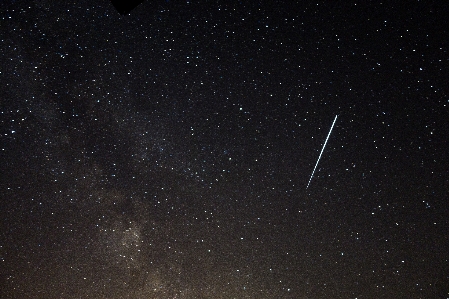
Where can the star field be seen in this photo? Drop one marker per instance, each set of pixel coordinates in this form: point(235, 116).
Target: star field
point(166, 153)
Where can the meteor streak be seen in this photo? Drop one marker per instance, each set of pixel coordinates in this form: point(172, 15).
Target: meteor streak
point(330, 131)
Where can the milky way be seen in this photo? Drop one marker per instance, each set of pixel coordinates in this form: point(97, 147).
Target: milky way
point(165, 153)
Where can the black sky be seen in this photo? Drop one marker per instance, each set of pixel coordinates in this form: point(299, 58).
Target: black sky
point(166, 153)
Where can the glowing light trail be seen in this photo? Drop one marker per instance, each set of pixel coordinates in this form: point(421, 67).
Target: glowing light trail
point(322, 150)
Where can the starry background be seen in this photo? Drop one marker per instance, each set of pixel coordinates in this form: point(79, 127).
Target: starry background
point(166, 153)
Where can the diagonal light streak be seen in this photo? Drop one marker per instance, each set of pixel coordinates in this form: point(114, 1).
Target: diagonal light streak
point(322, 150)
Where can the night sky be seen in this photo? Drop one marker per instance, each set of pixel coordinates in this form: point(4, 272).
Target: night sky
point(166, 153)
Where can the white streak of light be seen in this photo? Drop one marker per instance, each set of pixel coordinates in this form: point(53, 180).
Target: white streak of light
point(322, 150)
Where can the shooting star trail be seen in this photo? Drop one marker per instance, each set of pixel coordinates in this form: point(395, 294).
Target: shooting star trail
point(322, 150)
